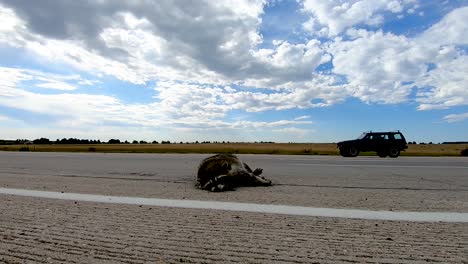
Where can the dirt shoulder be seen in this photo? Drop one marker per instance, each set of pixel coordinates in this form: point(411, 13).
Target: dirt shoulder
point(56, 231)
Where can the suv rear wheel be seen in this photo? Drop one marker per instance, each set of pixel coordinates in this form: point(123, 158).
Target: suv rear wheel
point(393, 152)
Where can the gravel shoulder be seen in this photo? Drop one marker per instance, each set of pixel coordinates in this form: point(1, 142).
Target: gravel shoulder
point(56, 231)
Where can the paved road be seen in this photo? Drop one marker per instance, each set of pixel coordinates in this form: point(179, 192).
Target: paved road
point(406, 183)
point(42, 230)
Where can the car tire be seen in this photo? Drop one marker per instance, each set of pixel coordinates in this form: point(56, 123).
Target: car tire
point(343, 152)
point(393, 152)
point(353, 152)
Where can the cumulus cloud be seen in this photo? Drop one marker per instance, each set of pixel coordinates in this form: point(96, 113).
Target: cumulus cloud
point(385, 68)
point(207, 59)
point(331, 18)
point(176, 104)
point(207, 41)
point(451, 30)
point(378, 66)
point(445, 85)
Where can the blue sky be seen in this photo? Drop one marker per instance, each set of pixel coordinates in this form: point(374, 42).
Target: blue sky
point(247, 70)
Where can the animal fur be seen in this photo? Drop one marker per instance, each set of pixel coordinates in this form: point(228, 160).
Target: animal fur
point(224, 172)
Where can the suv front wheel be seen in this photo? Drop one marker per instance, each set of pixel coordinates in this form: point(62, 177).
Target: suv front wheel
point(353, 151)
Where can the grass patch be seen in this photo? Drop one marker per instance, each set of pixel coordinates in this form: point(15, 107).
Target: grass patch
point(236, 148)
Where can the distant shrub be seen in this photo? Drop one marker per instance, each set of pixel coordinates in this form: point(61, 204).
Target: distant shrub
point(24, 149)
point(464, 152)
point(307, 151)
point(91, 149)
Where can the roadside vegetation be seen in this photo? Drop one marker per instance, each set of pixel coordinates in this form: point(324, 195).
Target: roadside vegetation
point(458, 149)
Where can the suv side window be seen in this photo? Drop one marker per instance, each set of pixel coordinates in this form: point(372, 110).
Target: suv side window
point(397, 136)
point(385, 137)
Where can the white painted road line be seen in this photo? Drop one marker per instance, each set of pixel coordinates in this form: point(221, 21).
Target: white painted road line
point(249, 207)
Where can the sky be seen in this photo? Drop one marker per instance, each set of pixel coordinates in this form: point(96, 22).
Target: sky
point(233, 70)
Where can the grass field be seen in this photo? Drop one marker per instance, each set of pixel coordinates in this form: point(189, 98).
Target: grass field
point(239, 148)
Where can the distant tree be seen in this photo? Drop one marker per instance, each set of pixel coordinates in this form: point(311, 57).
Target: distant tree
point(22, 141)
point(113, 141)
point(166, 142)
point(143, 142)
point(42, 141)
point(155, 142)
point(134, 142)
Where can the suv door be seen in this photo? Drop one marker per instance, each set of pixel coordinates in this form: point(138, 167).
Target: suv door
point(400, 141)
point(366, 143)
point(380, 142)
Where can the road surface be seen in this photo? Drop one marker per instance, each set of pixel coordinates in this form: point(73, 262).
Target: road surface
point(47, 230)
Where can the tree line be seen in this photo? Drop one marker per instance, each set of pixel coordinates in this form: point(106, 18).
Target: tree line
point(76, 141)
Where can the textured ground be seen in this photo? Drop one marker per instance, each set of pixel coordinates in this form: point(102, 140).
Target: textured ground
point(34, 230)
point(56, 231)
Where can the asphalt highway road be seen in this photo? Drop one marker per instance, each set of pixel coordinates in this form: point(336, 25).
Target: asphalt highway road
point(405, 183)
point(41, 230)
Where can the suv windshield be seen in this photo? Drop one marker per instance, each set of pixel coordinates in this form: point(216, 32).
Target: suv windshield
point(362, 136)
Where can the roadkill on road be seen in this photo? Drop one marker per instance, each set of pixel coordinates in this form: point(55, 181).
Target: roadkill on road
point(225, 172)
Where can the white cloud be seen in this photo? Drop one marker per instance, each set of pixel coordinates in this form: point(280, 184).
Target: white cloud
point(446, 85)
point(214, 42)
point(377, 65)
point(335, 16)
point(206, 61)
point(302, 117)
point(385, 68)
point(456, 117)
point(451, 30)
point(177, 104)
point(56, 85)
point(11, 77)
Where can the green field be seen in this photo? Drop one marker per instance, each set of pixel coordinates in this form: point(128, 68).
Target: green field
point(239, 148)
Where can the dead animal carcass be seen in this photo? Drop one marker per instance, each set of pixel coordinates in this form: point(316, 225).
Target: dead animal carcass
point(224, 172)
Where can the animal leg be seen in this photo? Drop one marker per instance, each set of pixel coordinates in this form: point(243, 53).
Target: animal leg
point(261, 180)
point(247, 168)
point(257, 171)
point(218, 184)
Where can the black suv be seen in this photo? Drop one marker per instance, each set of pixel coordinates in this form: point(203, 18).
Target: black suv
point(384, 143)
